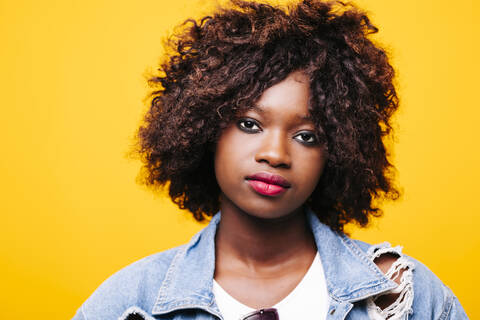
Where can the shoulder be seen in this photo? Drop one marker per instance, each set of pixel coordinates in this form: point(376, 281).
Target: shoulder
point(135, 285)
point(391, 254)
point(431, 298)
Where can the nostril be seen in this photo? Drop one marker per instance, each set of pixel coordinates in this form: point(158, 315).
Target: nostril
point(275, 163)
point(274, 159)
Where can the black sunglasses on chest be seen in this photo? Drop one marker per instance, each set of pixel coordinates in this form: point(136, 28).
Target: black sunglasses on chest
point(262, 314)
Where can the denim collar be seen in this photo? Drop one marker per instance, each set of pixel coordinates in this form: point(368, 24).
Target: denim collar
point(350, 275)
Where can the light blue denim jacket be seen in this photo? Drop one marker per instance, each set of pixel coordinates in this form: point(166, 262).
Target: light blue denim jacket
point(177, 283)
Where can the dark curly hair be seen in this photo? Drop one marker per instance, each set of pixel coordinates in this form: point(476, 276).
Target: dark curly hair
point(217, 67)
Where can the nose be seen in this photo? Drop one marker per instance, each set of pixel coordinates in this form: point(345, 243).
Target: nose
point(274, 150)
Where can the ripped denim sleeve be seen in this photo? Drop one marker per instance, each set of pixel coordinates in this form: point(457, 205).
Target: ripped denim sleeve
point(401, 308)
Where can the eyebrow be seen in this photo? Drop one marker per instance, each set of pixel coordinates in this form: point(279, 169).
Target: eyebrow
point(304, 118)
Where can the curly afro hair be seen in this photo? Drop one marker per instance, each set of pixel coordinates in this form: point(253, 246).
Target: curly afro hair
point(217, 67)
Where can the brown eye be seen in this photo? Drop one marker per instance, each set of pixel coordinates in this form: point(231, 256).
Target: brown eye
point(248, 125)
point(307, 138)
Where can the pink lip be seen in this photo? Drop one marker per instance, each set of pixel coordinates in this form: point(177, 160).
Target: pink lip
point(268, 184)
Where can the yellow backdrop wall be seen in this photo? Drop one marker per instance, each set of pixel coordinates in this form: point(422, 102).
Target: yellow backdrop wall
point(72, 91)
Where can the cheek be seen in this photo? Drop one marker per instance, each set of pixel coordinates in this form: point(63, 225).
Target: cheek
point(227, 155)
point(314, 165)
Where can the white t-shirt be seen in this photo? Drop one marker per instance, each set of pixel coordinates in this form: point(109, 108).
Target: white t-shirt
point(309, 299)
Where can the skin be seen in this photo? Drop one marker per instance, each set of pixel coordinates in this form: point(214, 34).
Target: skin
point(263, 242)
point(384, 262)
point(264, 246)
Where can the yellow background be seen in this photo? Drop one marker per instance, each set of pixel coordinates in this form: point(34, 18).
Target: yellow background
point(72, 96)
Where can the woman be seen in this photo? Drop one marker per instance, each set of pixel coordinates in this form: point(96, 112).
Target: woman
point(271, 122)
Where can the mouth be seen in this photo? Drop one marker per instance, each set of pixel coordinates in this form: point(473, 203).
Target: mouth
point(268, 184)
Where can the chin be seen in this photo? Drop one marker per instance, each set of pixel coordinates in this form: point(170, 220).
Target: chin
point(272, 213)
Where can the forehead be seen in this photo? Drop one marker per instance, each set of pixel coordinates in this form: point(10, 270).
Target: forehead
point(289, 98)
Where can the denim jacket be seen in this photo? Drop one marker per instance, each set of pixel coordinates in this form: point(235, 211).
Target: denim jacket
point(177, 283)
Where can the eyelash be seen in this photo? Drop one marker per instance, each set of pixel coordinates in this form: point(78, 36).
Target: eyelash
point(241, 126)
point(244, 128)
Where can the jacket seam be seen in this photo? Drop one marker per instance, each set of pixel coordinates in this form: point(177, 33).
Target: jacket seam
point(448, 306)
point(82, 309)
point(359, 293)
point(168, 275)
point(360, 254)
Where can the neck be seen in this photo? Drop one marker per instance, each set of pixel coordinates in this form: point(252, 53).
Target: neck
point(258, 242)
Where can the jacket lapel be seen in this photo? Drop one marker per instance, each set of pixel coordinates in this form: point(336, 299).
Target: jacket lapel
point(350, 275)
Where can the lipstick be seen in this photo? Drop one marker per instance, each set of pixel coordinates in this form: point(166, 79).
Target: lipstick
point(268, 184)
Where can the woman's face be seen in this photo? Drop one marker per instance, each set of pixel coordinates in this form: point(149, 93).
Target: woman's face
point(268, 162)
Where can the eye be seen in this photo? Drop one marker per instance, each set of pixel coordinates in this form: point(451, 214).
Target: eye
point(306, 138)
point(248, 125)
